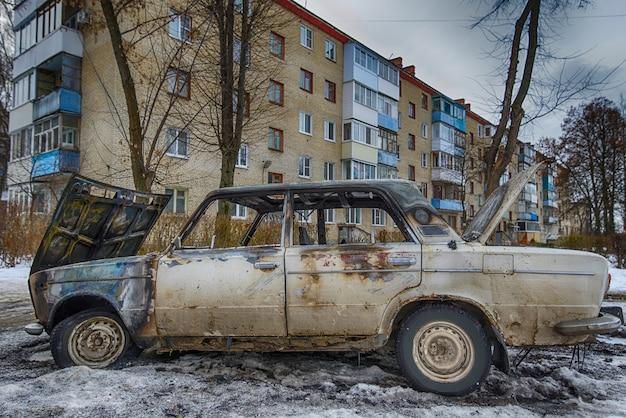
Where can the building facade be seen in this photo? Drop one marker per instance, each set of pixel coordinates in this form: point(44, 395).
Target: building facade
point(344, 112)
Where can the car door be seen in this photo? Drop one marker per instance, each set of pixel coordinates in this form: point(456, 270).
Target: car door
point(343, 289)
point(237, 291)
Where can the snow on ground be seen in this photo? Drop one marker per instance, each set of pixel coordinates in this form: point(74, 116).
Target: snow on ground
point(288, 384)
point(618, 281)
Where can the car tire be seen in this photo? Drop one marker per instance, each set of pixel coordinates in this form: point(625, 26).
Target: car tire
point(443, 349)
point(94, 338)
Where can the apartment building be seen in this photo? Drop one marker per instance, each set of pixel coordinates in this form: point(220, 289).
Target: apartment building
point(342, 110)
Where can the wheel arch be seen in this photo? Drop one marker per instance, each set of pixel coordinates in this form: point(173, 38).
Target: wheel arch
point(395, 316)
point(79, 302)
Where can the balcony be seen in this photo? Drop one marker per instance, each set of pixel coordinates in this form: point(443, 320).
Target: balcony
point(459, 151)
point(387, 158)
point(528, 216)
point(439, 116)
point(388, 122)
point(446, 175)
point(550, 203)
point(59, 100)
point(548, 183)
point(63, 39)
point(550, 220)
point(451, 205)
point(55, 162)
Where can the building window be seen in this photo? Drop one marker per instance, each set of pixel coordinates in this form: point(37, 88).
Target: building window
point(180, 26)
point(274, 177)
point(275, 139)
point(364, 95)
point(304, 166)
point(366, 60)
point(378, 217)
point(411, 143)
point(411, 172)
point(424, 129)
point(481, 130)
point(178, 201)
point(388, 72)
point(329, 130)
point(177, 142)
point(329, 216)
point(306, 80)
point(238, 211)
point(329, 171)
point(359, 132)
point(306, 123)
point(356, 170)
point(471, 187)
point(330, 91)
point(353, 216)
point(24, 89)
point(178, 82)
point(276, 92)
point(424, 101)
point(387, 106)
point(306, 37)
point(21, 143)
point(242, 157)
point(46, 136)
point(411, 111)
point(424, 159)
point(49, 19)
point(277, 45)
point(330, 50)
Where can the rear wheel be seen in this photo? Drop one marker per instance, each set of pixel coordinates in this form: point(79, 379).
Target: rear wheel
point(92, 338)
point(443, 349)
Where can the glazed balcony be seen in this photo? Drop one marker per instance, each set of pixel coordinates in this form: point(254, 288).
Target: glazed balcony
point(59, 100)
point(55, 162)
point(450, 205)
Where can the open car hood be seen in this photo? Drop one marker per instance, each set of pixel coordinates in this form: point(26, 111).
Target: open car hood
point(490, 215)
point(94, 220)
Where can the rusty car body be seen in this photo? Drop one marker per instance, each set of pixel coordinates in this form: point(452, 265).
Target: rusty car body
point(452, 304)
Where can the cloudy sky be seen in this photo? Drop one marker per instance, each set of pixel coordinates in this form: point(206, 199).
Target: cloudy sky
point(436, 37)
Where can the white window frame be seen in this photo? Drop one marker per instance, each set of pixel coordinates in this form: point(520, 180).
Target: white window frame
point(378, 217)
point(304, 216)
point(424, 160)
point(180, 26)
point(306, 36)
point(173, 139)
point(329, 170)
point(353, 216)
point(304, 166)
point(302, 123)
point(242, 156)
point(240, 212)
point(330, 216)
point(174, 199)
point(330, 50)
point(328, 124)
point(424, 130)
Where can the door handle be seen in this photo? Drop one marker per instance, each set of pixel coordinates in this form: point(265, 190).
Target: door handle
point(402, 261)
point(265, 265)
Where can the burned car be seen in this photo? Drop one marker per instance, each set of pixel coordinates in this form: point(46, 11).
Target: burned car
point(338, 265)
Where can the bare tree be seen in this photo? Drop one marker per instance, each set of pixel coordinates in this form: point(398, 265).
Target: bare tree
point(6, 69)
point(540, 87)
point(590, 149)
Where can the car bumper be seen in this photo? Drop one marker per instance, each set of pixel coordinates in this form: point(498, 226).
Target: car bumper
point(603, 324)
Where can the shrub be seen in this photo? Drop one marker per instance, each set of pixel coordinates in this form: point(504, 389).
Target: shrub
point(608, 245)
point(20, 234)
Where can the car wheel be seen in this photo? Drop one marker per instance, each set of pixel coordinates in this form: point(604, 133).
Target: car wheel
point(92, 338)
point(443, 349)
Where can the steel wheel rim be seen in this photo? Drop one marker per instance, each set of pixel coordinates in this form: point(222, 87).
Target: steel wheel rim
point(443, 352)
point(96, 342)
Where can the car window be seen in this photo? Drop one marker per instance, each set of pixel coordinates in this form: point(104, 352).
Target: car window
point(348, 218)
point(229, 223)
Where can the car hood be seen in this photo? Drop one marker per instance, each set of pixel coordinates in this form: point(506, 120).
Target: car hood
point(489, 216)
point(94, 221)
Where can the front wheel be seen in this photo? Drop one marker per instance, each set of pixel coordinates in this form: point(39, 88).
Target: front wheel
point(92, 338)
point(443, 349)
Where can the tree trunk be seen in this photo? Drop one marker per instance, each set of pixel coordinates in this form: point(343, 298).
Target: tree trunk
point(142, 177)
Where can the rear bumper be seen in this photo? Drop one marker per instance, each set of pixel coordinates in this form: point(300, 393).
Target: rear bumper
point(603, 324)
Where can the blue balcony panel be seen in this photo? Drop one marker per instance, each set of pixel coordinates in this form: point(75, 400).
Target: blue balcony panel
point(55, 162)
point(451, 205)
point(388, 122)
point(459, 152)
point(548, 183)
point(59, 100)
point(528, 216)
point(387, 158)
point(439, 116)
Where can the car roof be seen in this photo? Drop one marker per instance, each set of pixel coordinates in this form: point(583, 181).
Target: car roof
point(404, 192)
